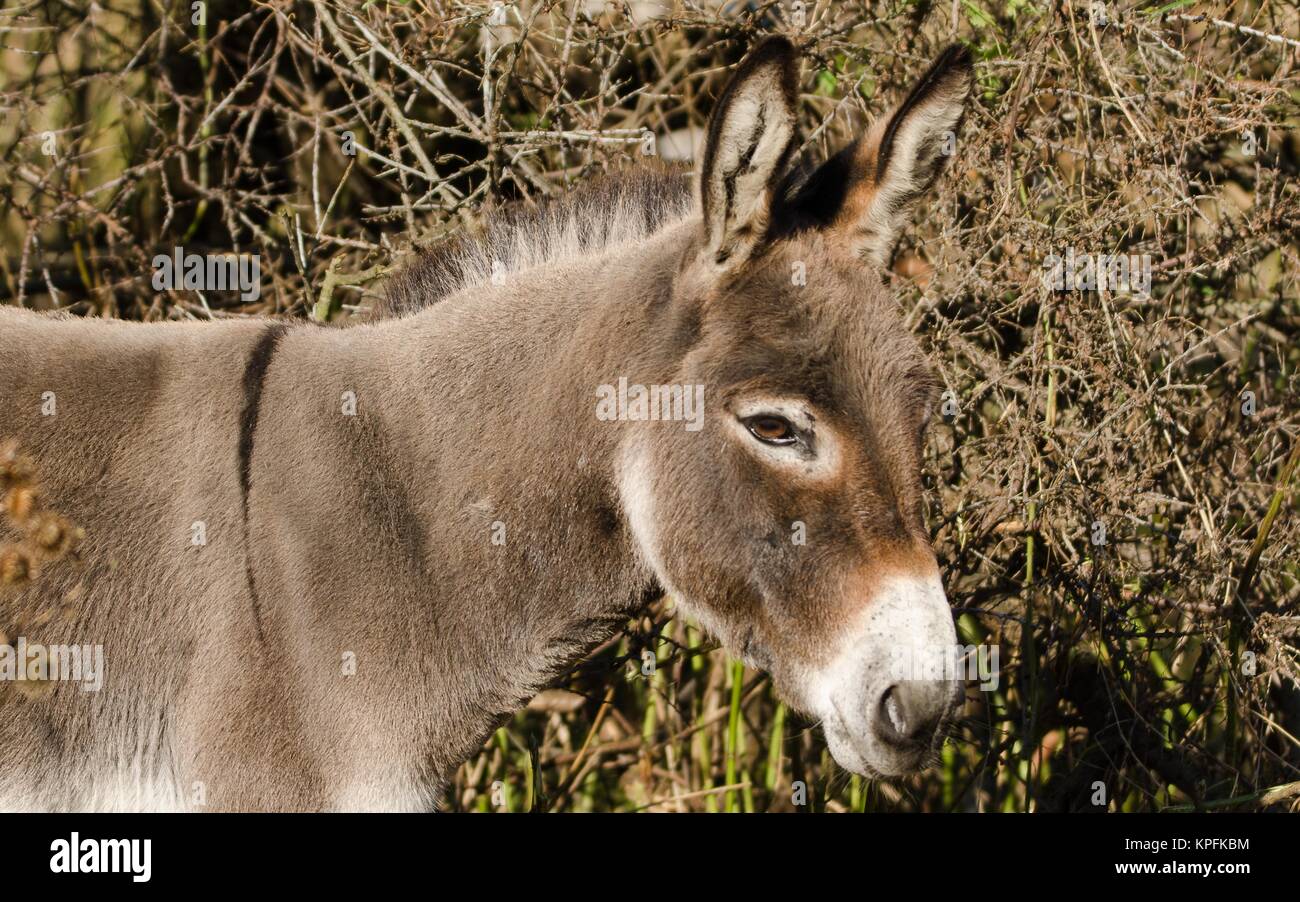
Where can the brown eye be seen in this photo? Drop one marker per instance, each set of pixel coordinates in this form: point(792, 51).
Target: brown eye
point(772, 430)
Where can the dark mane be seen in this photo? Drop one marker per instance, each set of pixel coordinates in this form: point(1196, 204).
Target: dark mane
point(610, 209)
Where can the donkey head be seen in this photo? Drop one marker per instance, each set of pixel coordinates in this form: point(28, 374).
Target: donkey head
point(791, 525)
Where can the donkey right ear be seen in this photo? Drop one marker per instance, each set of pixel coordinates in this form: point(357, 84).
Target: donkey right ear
point(750, 138)
point(867, 191)
point(903, 155)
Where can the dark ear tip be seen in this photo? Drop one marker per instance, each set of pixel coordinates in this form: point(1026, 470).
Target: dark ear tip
point(776, 49)
point(955, 58)
point(775, 45)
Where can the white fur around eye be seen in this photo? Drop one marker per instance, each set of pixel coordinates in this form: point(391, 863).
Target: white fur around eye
point(817, 460)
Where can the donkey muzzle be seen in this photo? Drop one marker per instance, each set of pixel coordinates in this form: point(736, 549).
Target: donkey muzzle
point(887, 694)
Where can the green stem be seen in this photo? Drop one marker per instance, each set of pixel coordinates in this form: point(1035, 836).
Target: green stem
point(733, 733)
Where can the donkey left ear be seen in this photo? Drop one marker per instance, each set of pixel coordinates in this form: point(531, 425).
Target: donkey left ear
point(750, 138)
point(883, 174)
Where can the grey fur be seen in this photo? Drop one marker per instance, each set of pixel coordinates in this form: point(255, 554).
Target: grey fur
point(369, 537)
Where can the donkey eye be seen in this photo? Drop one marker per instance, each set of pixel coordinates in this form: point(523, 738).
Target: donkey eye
point(772, 430)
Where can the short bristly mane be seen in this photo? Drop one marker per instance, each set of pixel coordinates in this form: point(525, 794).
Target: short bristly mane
point(615, 208)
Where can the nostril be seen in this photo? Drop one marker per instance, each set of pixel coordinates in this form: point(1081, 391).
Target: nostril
point(908, 713)
point(891, 719)
point(892, 711)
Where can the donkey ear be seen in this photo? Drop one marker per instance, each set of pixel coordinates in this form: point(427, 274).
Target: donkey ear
point(750, 138)
point(895, 163)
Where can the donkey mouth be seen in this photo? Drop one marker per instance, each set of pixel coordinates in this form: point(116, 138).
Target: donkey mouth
point(864, 749)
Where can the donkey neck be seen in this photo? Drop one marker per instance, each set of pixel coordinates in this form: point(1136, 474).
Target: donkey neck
point(441, 493)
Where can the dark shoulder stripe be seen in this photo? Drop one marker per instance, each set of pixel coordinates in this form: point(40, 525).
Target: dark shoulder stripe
point(259, 360)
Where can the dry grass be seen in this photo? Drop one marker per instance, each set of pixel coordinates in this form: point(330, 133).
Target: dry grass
point(32, 537)
point(1163, 664)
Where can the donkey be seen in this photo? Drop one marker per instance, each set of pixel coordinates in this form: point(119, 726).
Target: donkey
point(325, 563)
